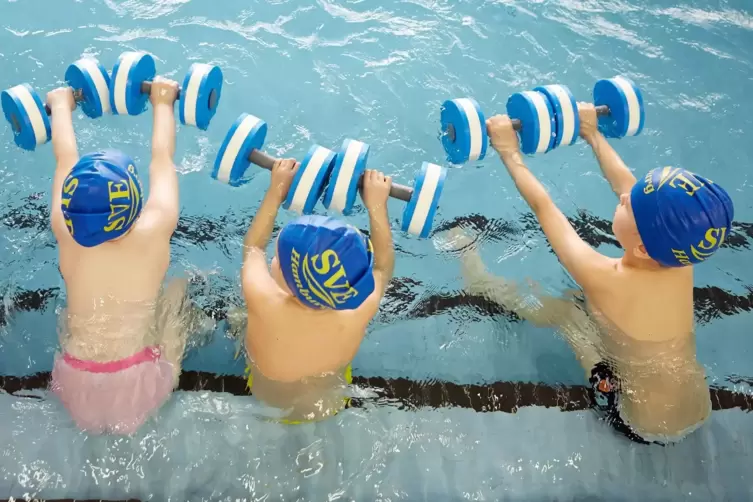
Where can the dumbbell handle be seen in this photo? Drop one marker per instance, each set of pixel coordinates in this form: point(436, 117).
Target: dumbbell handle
point(78, 96)
point(266, 161)
point(601, 110)
point(146, 88)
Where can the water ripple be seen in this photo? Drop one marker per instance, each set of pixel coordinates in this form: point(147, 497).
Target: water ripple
point(139, 9)
point(131, 35)
point(704, 18)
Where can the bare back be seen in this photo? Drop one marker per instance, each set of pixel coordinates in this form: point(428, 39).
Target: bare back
point(289, 342)
point(112, 291)
point(646, 321)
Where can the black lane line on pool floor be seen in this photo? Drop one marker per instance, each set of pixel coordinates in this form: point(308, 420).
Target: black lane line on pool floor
point(200, 230)
point(402, 301)
point(227, 231)
point(406, 394)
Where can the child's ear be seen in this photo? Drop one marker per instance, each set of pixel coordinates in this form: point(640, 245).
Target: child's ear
point(640, 252)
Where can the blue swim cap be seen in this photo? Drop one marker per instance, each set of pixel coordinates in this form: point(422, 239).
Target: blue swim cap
point(326, 263)
point(101, 197)
point(682, 218)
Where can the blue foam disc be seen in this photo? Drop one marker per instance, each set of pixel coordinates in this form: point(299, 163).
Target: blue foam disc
point(625, 101)
point(567, 122)
point(350, 164)
point(419, 212)
point(537, 133)
point(24, 110)
point(90, 77)
point(200, 95)
point(310, 180)
point(131, 70)
point(464, 115)
point(245, 135)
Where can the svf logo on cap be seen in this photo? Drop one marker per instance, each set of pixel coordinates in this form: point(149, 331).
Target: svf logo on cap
point(682, 218)
point(325, 263)
point(102, 197)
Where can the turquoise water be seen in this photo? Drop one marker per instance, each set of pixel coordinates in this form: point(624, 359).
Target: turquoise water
point(378, 71)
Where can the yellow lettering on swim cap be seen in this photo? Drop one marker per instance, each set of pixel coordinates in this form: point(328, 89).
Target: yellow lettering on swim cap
point(331, 281)
point(118, 190)
point(328, 260)
point(131, 169)
point(698, 255)
point(116, 209)
point(294, 263)
point(295, 259)
point(335, 288)
point(343, 297)
point(314, 285)
point(713, 238)
point(649, 188)
point(135, 190)
point(116, 225)
point(69, 189)
point(666, 175)
point(681, 256)
point(681, 181)
point(71, 186)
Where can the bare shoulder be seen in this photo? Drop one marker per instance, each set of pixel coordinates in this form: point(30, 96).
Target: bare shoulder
point(66, 244)
point(600, 274)
point(267, 300)
point(650, 305)
point(368, 309)
point(665, 283)
point(153, 224)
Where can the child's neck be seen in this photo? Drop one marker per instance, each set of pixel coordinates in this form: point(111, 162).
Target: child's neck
point(629, 260)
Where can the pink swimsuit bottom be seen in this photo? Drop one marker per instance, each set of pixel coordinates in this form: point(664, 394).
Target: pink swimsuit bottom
point(116, 396)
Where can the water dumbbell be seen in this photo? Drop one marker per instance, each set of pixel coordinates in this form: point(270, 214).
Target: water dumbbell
point(28, 114)
point(618, 103)
point(422, 199)
point(545, 118)
point(199, 94)
point(337, 176)
point(624, 102)
point(464, 126)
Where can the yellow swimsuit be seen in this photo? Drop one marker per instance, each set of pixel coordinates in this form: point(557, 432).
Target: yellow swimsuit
point(346, 401)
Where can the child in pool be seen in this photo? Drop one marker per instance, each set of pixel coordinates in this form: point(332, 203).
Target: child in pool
point(308, 311)
point(634, 334)
point(123, 338)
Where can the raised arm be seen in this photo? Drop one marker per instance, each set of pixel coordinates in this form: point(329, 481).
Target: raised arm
point(163, 206)
point(614, 169)
point(255, 277)
point(375, 193)
point(582, 261)
point(61, 104)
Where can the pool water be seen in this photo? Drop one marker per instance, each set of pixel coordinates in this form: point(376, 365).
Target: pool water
point(378, 71)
